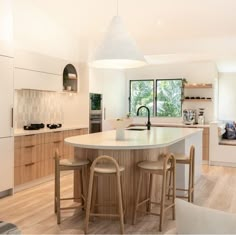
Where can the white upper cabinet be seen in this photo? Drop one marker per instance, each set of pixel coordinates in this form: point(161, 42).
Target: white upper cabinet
point(6, 96)
point(6, 28)
point(37, 71)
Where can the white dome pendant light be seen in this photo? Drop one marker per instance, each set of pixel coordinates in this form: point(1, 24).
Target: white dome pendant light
point(117, 50)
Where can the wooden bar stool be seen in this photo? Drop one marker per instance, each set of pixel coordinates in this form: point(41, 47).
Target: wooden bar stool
point(160, 167)
point(108, 166)
point(189, 160)
point(68, 165)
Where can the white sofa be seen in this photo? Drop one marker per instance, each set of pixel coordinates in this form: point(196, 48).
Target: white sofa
point(222, 152)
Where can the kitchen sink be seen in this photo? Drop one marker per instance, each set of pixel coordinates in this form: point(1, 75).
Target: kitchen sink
point(135, 129)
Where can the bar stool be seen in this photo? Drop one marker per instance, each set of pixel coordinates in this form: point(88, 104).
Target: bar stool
point(109, 166)
point(68, 165)
point(189, 160)
point(160, 167)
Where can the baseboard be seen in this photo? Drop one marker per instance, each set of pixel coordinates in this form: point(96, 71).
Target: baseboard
point(227, 164)
point(205, 162)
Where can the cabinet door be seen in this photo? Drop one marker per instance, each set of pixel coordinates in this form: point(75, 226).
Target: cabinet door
point(6, 163)
point(6, 96)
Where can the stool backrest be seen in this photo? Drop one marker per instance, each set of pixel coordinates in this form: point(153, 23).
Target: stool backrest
point(106, 159)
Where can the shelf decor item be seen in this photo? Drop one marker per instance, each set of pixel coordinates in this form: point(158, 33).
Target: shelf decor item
point(70, 78)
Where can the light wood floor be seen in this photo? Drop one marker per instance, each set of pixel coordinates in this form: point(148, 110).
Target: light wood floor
point(32, 210)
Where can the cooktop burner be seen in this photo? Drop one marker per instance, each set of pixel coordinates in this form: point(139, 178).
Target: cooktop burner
point(35, 126)
point(54, 126)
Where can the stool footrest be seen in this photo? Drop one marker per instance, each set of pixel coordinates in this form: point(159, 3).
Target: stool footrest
point(69, 198)
point(142, 202)
point(103, 215)
point(71, 207)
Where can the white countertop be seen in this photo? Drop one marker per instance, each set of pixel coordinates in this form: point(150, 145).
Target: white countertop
point(169, 124)
point(20, 132)
point(156, 137)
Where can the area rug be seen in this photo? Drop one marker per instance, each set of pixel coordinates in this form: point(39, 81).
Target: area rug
point(8, 228)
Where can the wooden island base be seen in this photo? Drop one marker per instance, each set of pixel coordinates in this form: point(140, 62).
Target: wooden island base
point(107, 190)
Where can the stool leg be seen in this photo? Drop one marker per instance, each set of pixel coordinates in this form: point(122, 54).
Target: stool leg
point(150, 193)
point(90, 188)
point(83, 186)
point(190, 183)
point(55, 190)
point(120, 203)
point(192, 192)
point(169, 185)
point(137, 197)
point(173, 190)
point(58, 196)
point(94, 194)
point(162, 211)
point(123, 199)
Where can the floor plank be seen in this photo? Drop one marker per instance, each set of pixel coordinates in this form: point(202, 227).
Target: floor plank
point(32, 210)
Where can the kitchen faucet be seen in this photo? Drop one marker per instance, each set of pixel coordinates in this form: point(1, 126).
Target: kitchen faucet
point(148, 122)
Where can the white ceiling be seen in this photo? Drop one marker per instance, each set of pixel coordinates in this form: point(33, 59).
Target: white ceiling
point(200, 29)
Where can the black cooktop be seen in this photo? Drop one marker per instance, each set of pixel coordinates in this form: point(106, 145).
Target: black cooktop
point(38, 126)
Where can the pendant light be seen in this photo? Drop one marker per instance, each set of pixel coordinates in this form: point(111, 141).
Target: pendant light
point(117, 50)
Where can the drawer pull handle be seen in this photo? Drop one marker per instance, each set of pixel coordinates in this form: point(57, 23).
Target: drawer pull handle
point(30, 164)
point(30, 135)
point(58, 141)
point(30, 146)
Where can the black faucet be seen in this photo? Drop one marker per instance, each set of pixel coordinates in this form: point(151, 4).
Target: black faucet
point(148, 122)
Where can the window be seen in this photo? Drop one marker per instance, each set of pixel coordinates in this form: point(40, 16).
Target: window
point(167, 102)
point(141, 93)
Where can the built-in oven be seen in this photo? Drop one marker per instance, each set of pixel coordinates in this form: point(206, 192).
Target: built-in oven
point(95, 113)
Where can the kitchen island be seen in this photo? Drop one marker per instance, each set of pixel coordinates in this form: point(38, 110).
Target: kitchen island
point(136, 146)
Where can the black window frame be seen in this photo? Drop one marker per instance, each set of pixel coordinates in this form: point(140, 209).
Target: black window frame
point(141, 80)
point(155, 81)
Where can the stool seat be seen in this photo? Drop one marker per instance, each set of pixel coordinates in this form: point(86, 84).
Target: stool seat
point(181, 157)
point(153, 165)
point(107, 168)
point(73, 162)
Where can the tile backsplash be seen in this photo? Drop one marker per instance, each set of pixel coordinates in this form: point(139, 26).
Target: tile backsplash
point(33, 106)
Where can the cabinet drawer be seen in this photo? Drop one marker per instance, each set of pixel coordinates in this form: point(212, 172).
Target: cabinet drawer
point(17, 142)
point(67, 133)
point(77, 132)
point(26, 173)
point(53, 137)
point(28, 155)
point(29, 140)
point(50, 149)
point(84, 131)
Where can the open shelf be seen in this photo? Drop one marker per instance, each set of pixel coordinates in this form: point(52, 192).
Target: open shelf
point(198, 85)
point(70, 80)
point(197, 100)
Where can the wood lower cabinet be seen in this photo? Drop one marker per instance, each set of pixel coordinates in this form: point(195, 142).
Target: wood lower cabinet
point(34, 154)
point(205, 144)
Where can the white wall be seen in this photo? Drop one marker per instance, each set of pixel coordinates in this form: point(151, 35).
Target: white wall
point(227, 96)
point(36, 31)
point(112, 85)
point(194, 72)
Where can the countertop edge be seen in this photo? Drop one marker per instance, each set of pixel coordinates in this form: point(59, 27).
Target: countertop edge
point(21, 132)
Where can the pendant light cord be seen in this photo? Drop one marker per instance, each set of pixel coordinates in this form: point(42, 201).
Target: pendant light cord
point(117, 6)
